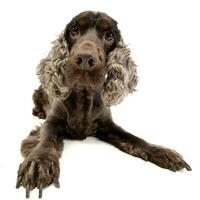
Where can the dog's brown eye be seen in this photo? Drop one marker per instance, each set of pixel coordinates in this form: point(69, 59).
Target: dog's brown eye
point(74, 31)
point(109, 36)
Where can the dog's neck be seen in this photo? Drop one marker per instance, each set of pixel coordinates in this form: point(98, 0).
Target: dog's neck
point(84, 99)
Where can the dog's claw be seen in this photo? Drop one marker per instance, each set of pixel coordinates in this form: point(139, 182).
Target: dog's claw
point(172, 167)
point(187, 166)
point(19, 178)
point(144, 156)
point(56, 183)
point(27, 191)
point(40, 191)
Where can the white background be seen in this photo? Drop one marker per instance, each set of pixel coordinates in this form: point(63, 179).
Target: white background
point(164, 37)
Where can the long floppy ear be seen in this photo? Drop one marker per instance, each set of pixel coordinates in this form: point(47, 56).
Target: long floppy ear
point(121, 75)
point(50, 70)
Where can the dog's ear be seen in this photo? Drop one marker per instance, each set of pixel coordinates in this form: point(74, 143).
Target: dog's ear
point(121, 75)
point(51, 69)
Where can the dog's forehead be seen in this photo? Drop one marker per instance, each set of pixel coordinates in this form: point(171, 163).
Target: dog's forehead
point(91, 19)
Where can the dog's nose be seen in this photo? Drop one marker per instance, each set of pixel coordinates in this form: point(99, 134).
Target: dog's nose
point(85, 61)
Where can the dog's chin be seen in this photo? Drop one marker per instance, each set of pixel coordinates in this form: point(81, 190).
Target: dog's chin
point(79, 79)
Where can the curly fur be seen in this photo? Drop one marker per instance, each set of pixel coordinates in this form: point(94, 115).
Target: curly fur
point(121, 72)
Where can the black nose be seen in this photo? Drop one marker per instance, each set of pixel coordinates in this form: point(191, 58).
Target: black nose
point(85, 61)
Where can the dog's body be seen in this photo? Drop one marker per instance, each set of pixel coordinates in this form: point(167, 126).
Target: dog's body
point(88, 70)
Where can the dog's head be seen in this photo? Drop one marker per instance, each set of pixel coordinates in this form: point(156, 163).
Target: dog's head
point(90, 37)
point(89, 53)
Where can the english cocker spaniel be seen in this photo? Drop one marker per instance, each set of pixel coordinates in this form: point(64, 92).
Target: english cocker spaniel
point(88, 69)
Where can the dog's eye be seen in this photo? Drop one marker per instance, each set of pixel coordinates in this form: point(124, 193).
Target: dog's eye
point(74, 31)
point(109, 37)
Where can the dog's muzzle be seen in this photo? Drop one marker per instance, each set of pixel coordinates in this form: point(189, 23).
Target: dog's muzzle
point(86, 55)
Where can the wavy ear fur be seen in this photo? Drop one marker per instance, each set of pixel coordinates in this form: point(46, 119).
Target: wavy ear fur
point(121, 77)
point(50, 70)
point(121, 72)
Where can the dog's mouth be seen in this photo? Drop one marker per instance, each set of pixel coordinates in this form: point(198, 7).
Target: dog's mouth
point(77, 78)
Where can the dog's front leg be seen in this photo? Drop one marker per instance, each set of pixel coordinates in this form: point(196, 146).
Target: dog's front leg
point(41, 167)
point(166, 158)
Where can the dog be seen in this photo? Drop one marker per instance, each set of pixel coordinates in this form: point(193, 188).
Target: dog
point(88, 70)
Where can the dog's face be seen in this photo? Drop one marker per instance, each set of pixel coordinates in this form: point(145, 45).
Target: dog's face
point(90, 37)
point(89, 54)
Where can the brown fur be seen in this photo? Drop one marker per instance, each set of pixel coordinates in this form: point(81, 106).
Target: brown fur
point(40, 100)
point(73, 105)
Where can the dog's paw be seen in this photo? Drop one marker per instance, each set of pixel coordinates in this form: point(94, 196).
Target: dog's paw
point(165, 158)
point(38, 171)
point(39, 112)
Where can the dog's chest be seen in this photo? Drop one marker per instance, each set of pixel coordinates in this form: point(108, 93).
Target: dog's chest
point(82, 111)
